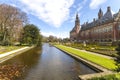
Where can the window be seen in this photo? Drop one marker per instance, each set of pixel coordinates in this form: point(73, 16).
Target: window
point(119, 27)
point(110, 36)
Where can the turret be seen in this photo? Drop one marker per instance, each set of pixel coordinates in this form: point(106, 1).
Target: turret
point(100, 13)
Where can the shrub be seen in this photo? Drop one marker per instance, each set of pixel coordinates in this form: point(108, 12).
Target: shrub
point(6, 43)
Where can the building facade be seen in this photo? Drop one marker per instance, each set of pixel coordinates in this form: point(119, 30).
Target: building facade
point(106, 28)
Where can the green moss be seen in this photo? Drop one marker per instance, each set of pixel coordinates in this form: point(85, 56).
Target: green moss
point(105, 62)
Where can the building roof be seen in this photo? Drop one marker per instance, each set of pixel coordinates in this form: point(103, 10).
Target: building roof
point(73, 30)
point(106, 18)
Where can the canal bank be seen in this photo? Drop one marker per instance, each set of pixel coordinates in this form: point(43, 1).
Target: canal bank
point(102, 71)
point(8, 55)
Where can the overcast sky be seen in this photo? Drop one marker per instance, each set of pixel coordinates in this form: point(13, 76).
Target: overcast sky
point(56, 17)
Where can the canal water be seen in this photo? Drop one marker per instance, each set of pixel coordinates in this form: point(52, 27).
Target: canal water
point(49, 64)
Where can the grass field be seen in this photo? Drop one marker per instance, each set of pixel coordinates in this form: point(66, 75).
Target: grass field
point(104, 62)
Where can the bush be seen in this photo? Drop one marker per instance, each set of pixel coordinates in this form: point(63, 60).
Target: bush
point(6, 43)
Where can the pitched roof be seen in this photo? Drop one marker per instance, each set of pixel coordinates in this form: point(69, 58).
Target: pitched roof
point(73, 30)
point(107, 17)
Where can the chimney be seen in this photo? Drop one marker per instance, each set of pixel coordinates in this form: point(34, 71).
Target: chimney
point(86, 22)
point(93, 19)
point(108, 9)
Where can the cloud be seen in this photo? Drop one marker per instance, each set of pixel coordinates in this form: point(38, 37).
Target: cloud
point(13, 5)
point(58, 35)
point(112, 12)
point(96, 3)
point(53, 12)
point(74, 17)
point(81, 5)
point(78, 8)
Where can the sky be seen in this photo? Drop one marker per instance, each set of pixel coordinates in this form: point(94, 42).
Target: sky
point(57, 17)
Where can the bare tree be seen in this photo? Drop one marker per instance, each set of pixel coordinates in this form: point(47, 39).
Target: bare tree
point(12, 21)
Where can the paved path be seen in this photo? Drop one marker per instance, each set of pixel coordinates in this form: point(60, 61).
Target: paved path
point(11, 52)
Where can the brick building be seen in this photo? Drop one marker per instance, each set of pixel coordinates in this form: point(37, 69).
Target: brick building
point(106, 28)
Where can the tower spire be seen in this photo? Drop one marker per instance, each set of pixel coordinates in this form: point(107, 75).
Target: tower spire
point(77, 16)
point(75, 31)
point(77, 21)
point(100, 13)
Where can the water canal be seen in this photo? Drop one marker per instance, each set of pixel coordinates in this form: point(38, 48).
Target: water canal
point(49, 64)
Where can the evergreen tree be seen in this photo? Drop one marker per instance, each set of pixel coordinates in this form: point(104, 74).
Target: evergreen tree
point(31, 35)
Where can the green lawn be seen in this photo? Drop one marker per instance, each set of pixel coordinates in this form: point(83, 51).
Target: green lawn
point(105, 62)
point(108, 77)
point(4, 49)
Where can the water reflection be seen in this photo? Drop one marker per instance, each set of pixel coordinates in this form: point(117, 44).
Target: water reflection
point(49, 64)
point(28, 60)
